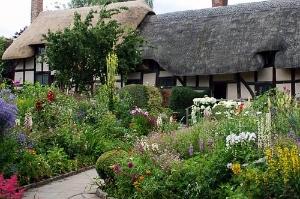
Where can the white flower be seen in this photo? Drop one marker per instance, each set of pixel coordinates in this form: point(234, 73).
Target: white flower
point(154, 147)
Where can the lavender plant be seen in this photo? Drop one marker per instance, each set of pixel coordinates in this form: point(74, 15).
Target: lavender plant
point(8, 111)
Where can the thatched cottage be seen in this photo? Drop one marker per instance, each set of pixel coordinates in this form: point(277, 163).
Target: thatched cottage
point(236, 51)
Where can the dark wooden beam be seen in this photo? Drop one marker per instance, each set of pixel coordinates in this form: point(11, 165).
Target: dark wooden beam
point(197, 81)
point(211, 85)
point(293, 84)
point(24, 66)
point(238, 85)
point(274, 77)
point(157, 72)
point(180, 80)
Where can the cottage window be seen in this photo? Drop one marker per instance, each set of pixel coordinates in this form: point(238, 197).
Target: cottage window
point(44, 78)
point(133, 81)
point(167, 82)
point(262, 88)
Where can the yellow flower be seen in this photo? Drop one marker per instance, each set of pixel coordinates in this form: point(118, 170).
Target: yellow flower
point(236, 168)
point(148, 172)
point(20, 101)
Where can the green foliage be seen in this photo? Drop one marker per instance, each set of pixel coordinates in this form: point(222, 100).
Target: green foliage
point(33, 168)
point(4, 42)
point(59, 161)
point(86, 3)
point(87, 45)
point(138, 95)
point(154, 100)
point(105, 161)
point(182, 97)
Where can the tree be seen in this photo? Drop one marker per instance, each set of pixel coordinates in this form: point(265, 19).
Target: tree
point(86, 3)
point(78, 54)
point(5, 66)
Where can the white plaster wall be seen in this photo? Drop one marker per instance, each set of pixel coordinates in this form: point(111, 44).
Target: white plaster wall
point(38, 66)
point(231, 91)
point(178, 83)
point(191, 81)
point(283, 74)
point(29, 76)
point(248, 77)
point(19, 66)
point(297, 89)
point(29, 63)
point(164, 74)
point(19, 77)
point(204, 81)
point(297, 75)
point(265, 74)
point(245, 94)
point(149, 79)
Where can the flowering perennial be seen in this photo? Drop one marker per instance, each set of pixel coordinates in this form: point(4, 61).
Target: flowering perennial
point(243, 137)
point(8, 115)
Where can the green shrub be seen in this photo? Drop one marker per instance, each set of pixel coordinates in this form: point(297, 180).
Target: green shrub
point(138, 95)
point(154, 100)
point(106, 160)
point(182, 97)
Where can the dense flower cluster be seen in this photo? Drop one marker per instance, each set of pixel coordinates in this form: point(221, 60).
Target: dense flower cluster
point(8, 115)
point(50, 96)
point(139, 111)
point(9, 188)
point(204, 101)
point(7, 95)
point(243, 137)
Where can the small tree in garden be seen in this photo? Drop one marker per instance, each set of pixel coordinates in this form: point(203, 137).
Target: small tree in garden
point(78, 54)
point(112, 64)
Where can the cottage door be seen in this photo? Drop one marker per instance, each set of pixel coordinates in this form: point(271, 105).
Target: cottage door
point(220, 90)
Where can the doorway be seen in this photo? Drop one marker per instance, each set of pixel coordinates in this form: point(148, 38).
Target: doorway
point(220, 90)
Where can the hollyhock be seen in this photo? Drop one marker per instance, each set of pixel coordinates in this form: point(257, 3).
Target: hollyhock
point(50, 96)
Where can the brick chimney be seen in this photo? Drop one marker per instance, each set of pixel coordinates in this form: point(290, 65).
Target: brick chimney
point(216, 3)
point(36, 8)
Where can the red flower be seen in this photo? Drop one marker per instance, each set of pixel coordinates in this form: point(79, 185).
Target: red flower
point(38, 105)
point(50, 96)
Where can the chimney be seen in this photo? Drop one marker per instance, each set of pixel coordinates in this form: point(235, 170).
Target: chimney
point(36, 8)
point(216, 3)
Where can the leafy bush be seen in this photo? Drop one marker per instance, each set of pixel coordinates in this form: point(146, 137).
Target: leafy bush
point(182, 97)
point(106, 160)
point(154, 100)
point(138, 95)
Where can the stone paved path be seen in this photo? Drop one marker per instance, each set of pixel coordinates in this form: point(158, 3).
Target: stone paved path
point(74, 187)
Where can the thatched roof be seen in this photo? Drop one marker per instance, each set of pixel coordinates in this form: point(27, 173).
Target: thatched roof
point(224, 39)
point(59, 19)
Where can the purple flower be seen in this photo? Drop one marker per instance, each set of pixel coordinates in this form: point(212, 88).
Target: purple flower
point(8, 115)
point(130, 165)
point(201, 145)
point(298, 141)
point(191, 150)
